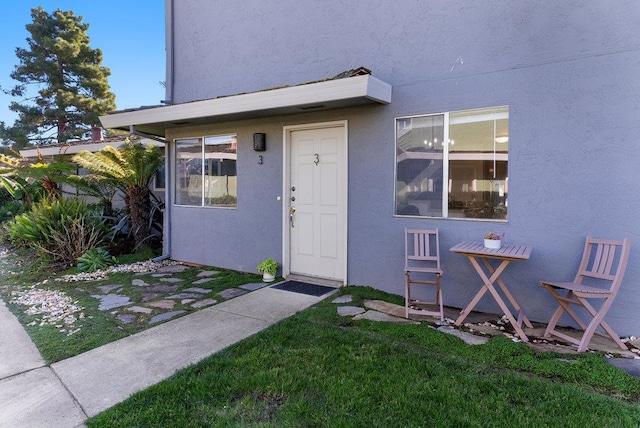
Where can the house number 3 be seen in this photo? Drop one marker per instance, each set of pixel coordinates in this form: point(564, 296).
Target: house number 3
point(317, 161)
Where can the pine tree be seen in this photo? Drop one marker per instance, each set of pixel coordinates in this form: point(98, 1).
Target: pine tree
point(63, 84)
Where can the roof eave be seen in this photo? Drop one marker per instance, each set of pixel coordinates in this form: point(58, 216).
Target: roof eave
point(346, 92)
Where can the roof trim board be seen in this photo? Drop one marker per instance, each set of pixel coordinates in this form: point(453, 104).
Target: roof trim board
point(329, 94)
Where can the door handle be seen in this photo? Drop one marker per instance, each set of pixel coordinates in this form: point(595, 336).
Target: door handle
point(291, 212)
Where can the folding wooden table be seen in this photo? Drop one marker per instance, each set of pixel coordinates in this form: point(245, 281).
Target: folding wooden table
point(490, 275)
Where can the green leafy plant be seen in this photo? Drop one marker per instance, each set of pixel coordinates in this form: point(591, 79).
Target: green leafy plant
point(131, 169)
point(269, 266)
point(10, 209)
point(123, 230)
point(30, 180)
point(64, 229)
point(94, 259)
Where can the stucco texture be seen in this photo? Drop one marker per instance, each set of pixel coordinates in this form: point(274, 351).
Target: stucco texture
point(567, 70)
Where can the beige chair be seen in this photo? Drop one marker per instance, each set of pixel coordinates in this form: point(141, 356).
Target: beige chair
point(422, 268)
point(599, 278)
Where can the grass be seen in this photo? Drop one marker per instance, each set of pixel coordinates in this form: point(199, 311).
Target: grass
point(319, 369)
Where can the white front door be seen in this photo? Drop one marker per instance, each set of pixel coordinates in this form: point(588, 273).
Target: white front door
point(317, 202)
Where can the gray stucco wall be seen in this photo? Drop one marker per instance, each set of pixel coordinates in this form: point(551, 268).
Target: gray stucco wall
point(567, 71)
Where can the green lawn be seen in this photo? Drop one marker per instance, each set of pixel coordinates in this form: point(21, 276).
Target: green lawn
point(319, 369)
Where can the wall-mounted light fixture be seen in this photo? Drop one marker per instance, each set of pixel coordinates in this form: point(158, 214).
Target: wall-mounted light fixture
point(259, 142)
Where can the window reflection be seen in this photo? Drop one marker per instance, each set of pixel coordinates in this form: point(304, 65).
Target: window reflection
point(206, 172)
point(476, 184)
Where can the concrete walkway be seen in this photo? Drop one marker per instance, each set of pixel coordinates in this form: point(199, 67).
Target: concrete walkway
point(72, 390)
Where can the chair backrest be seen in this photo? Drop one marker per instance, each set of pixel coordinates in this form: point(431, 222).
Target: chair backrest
point(604, 260)
point(422, 246)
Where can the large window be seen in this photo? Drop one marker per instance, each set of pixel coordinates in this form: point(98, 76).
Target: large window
point(206, 171)
point(453, 165)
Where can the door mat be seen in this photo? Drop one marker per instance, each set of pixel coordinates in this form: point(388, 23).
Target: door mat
point(304, 288)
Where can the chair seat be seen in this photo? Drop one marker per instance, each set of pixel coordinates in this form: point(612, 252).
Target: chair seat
point(423, 269)
point(578, 288)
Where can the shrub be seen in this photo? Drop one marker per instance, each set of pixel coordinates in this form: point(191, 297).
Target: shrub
point(64, 229)
point(5, 196)
point(94, 259)
point(10, 209)
point(123, 232)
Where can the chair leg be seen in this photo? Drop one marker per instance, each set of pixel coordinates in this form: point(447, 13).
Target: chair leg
point(437, 300)
point(439, 297)
point(588, 334)
point(553, 321)
point(563, 307)
point(588, 329)
point(598, 321)
point(407, 294)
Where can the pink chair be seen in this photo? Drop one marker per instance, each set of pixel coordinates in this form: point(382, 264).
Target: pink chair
point(422, 268)
point(599, 278)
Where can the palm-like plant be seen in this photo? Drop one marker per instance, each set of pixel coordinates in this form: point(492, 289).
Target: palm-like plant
point(131, 168)
point(17, 173)
point(97, 186)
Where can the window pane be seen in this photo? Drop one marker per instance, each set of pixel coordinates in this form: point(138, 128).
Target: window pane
point(189, 172)
point(478, 157)
point(419, 165)
point(220, 177)
point(477, 150)
point(159, 179)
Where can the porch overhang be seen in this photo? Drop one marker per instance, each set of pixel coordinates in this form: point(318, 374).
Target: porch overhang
point(330, 94)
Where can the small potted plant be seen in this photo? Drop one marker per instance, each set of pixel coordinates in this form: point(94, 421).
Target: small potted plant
point(493, 240)
point(268, 268)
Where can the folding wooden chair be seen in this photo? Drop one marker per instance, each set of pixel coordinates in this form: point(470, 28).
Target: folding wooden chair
point(599, 277)
point(422, 267)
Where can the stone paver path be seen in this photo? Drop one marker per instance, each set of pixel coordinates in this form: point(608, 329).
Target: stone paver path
point(154, 294)
point(153, 297)
point(111, 301)
point(480, 332)
point(165, 296)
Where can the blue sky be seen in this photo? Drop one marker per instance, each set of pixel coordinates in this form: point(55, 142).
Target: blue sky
point(130, 34)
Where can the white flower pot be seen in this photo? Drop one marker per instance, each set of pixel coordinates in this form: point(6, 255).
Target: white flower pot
point(493, 243)
point(267, 277)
